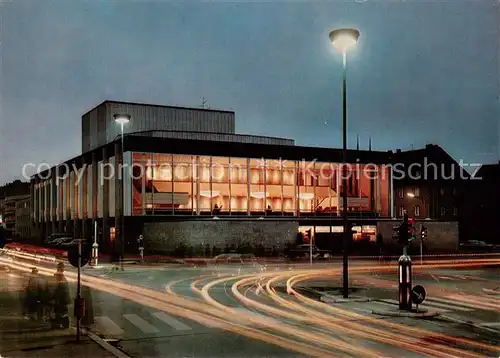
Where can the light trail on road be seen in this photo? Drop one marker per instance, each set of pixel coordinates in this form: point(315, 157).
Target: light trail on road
point(402, 328)
point(316, 332)
point(436, 350)
point(486, 303)
point(175, 305)
point(325, 321)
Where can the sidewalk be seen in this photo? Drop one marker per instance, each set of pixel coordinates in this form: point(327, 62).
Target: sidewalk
point(22, 338)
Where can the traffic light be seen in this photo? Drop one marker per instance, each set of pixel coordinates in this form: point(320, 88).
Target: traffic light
point(406, 231)
point(2, 237)
point(395, 232)
point(411, 230)
point(403, 231)
point(423, 233)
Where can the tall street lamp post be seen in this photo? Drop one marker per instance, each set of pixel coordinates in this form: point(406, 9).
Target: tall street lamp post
point(342, 40)
point(121, 119)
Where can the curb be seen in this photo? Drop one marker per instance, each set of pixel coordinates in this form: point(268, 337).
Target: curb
point(30, 330)
point(406, 314)
point(334, 299)
point(108, 347)
point(468, 323)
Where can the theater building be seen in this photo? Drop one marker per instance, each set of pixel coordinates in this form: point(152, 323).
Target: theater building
point(184, 177)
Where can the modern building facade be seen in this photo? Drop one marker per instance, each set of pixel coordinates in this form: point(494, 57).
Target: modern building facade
point(184, 177)
point(190, 179)
point(150, 120)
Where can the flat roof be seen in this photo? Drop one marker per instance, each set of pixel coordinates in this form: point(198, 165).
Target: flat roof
point(137, 143)
point(142, 133)
point(161, 106)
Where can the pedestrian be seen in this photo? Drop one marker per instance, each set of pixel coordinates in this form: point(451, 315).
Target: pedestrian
point(31, 295)
point(43, 298)
point(380, 245)
point(60, 299)
point(140, 243)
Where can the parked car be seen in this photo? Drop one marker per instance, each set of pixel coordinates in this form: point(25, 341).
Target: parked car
point(234, 258)
point(228, 258)
point(60, 241)
point(68, 243)
point(477, 246)
point(303, 252)
point(55, 239)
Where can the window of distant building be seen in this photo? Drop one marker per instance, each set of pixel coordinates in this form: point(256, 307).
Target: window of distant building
point(455, 211)
point(417, 192)
point(443, 211)
point(441, 191)
point(401, 211)
point(401, 193)
point(417, 210)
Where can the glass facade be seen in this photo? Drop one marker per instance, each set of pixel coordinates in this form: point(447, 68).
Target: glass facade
point(173, 184)
point(204, 185)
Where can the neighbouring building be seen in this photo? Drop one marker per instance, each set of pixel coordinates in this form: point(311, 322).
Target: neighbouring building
point(430, 184)
point(482, 208)
point(13, 195)
point(22, 227)
point(190, 180)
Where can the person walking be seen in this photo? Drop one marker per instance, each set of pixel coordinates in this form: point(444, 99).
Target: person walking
point(31, 296)
point(380, 246)
point(43, 298)
point(60, 299)
point(140, 243)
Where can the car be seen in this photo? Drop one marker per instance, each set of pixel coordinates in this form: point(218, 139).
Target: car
point(60, 241)
point(303, 252)
point(477, 246)
point(55, 239)
point(68, 243)
point(228, 258)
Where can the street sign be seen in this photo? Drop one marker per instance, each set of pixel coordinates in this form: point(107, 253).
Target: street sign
point(418, 294)
point(73, 255)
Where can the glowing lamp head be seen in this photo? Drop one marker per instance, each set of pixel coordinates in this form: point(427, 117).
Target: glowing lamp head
point(121, 118)
point(344, 39)
point(410, 195)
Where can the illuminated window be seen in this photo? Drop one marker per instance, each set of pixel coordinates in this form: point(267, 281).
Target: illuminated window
point(443, 211)
point(401, 211)
point(417, 192)
point(401, 193)
point(417, 210)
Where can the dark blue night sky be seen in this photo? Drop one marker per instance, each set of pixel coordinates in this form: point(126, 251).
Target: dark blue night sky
point(423, 71)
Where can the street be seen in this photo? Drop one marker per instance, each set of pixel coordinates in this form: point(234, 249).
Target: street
point(283, 310)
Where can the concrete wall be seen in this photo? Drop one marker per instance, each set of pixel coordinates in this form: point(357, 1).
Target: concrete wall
point(442, 236)
point(166, 236)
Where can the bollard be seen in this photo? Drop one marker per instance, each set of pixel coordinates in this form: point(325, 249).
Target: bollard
point(95, 248)
point(404, 269)
point(95, 254)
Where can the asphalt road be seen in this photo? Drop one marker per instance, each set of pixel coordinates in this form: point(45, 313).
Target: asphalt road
point(255, 311)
